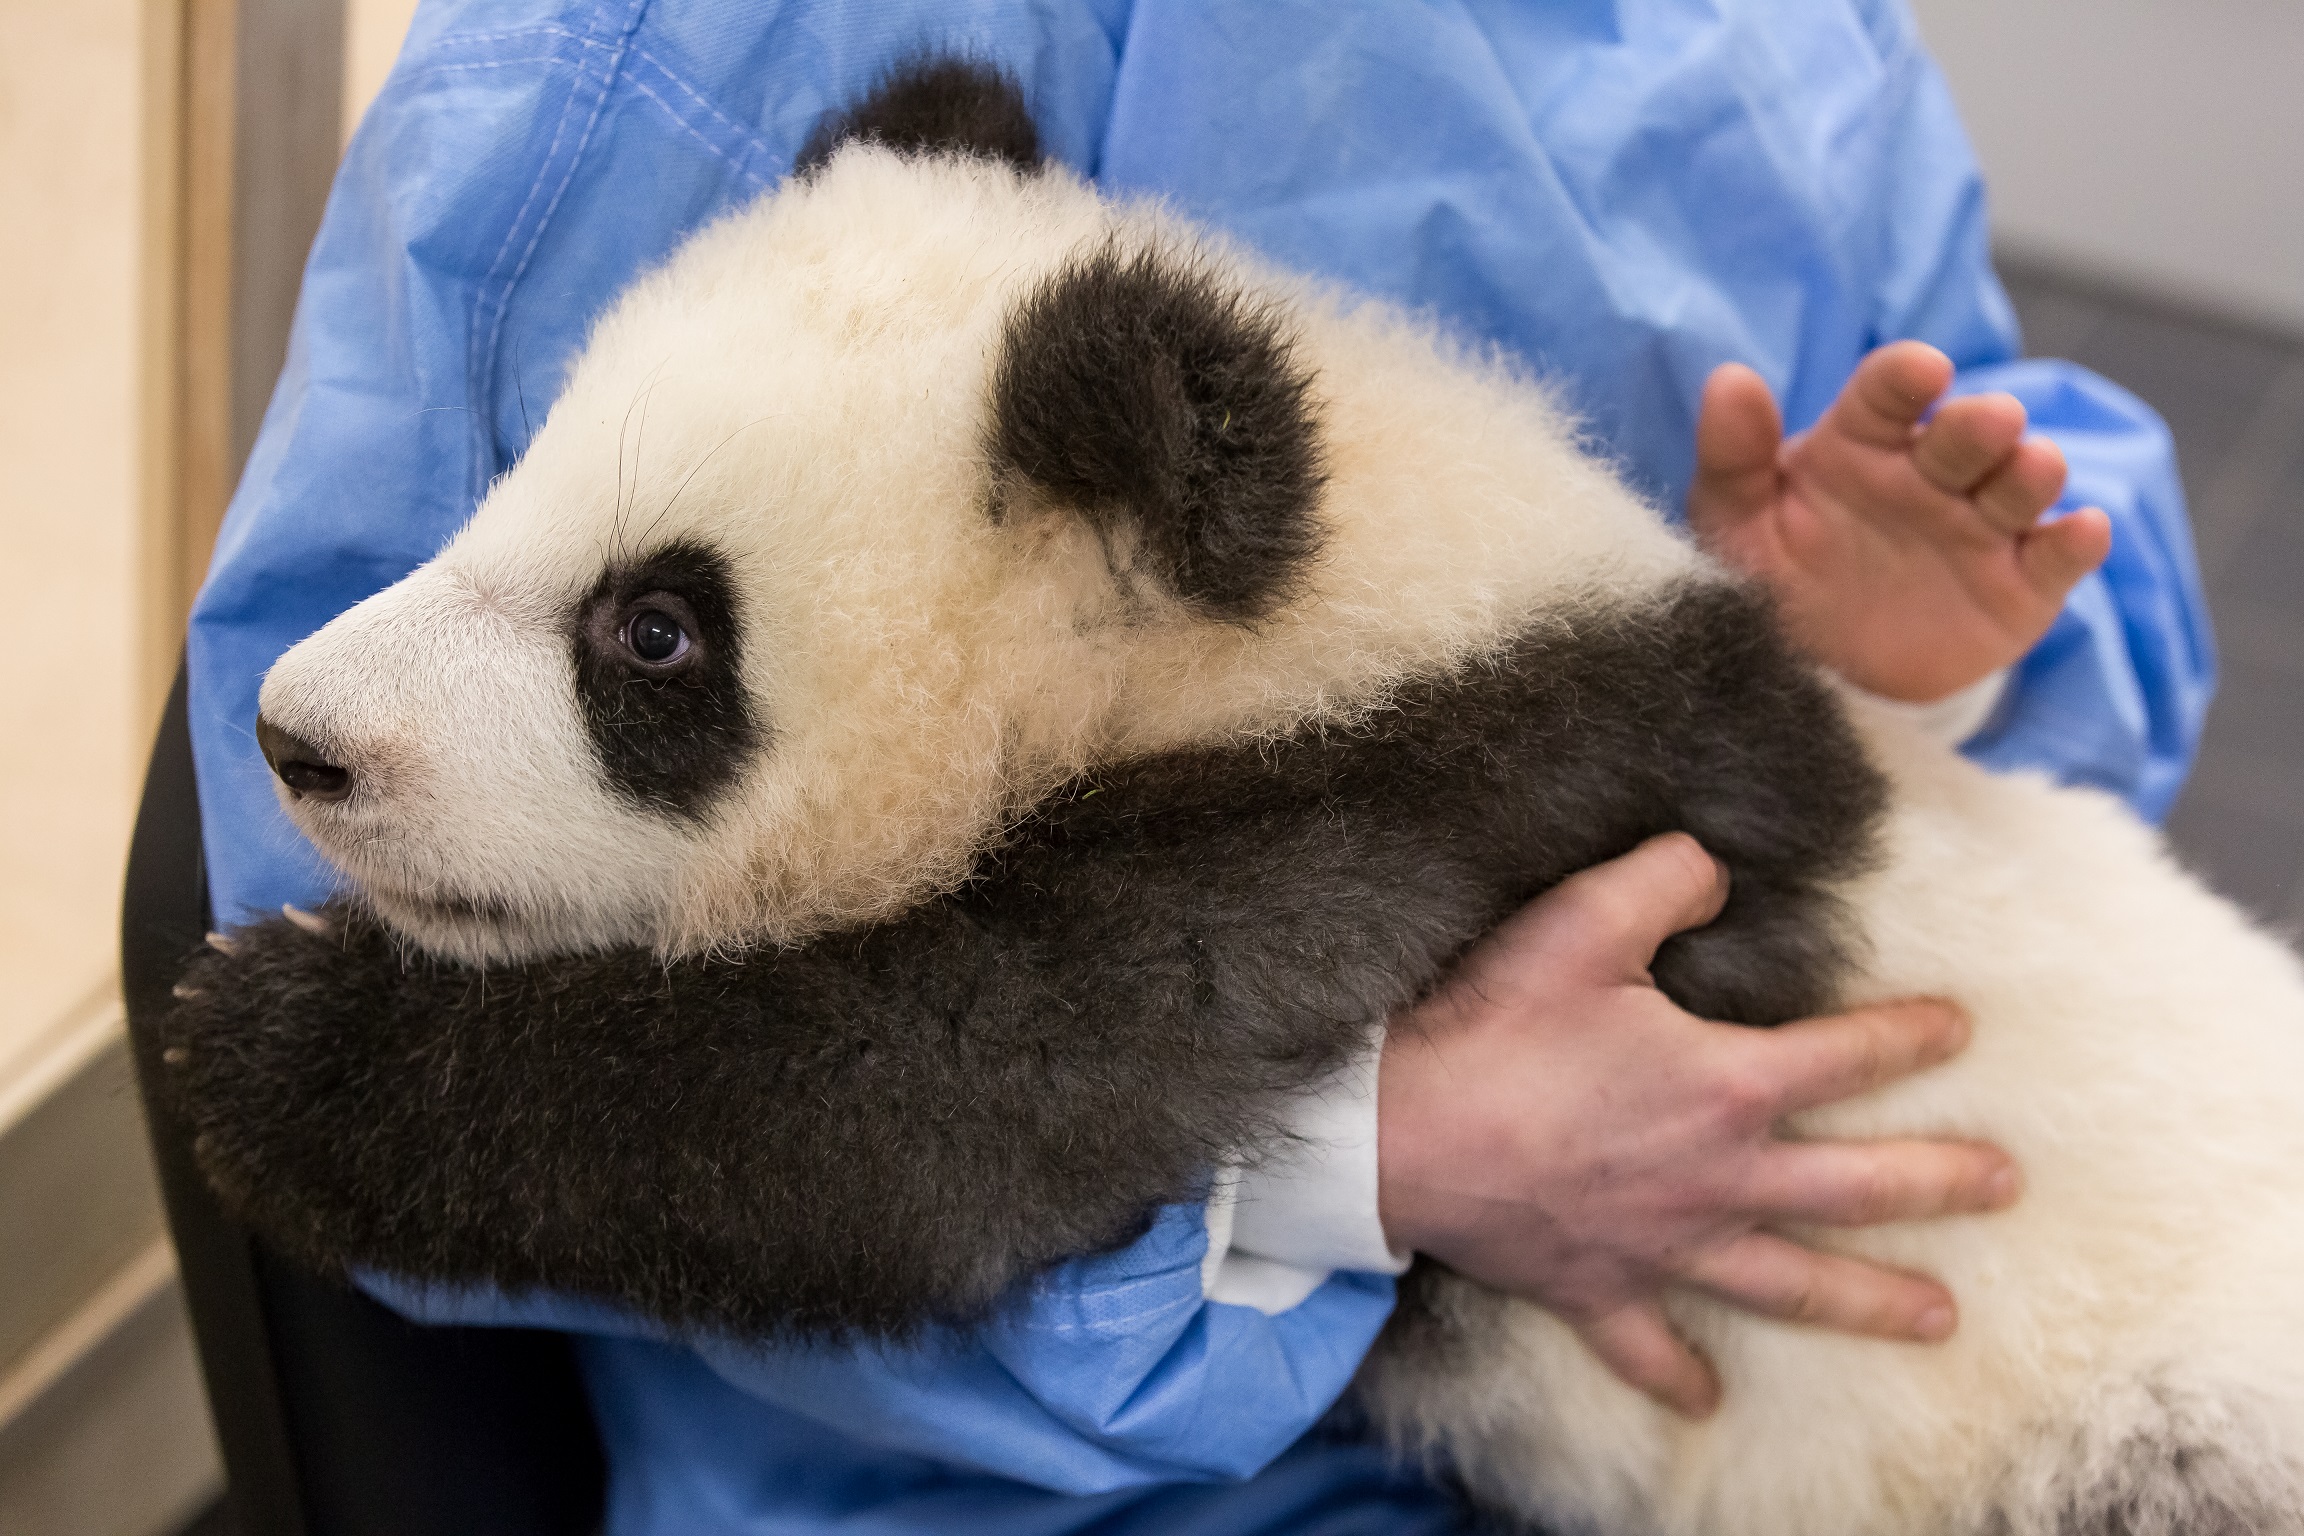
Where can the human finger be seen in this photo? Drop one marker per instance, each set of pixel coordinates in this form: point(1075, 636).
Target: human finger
point(1778, 1278)
point(1608, 921)
point(1863, 1183)
point(2024, 486)
point(1968, 442)
point(1738, 430)
point(2054, 556)
point(1823, 1060)
point(1889, 393)
point(1637, 1343)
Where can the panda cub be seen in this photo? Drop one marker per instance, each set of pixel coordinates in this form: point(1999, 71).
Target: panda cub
point(978, 693)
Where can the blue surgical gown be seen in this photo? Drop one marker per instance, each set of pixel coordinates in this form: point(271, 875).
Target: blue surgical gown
point(1625, 194)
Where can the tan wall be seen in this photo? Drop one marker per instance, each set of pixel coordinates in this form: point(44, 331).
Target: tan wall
point(96, 1368)
point(2150, 142)
point(372, 33)
point(72, 725)
point(76, 302)
point(137, 338)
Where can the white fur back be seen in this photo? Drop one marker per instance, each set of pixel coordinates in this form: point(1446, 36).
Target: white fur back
point(2139, 1048)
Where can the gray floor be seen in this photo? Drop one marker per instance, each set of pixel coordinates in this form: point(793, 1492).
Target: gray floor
point(2235, 399)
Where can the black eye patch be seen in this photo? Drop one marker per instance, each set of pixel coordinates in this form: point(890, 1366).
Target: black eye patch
point(659, 654)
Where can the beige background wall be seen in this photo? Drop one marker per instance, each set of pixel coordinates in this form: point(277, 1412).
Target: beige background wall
point(372, 33)
point(2157, 143)
point(96, 1367)
point(75, 712)
point(71, 722)
point(97, 1372)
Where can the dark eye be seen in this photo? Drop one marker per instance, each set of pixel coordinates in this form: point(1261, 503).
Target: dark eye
point(655, 637)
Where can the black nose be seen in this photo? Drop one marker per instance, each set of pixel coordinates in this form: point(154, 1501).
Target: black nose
point(300, 765)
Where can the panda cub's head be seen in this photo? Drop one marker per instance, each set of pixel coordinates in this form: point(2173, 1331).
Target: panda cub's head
point(887, 505)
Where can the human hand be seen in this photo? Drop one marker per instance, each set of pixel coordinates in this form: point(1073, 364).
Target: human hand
point(1553, 1126)
point(1909, 558)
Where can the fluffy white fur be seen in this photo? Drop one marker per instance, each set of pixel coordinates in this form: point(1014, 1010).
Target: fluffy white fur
point(2138, 1048)
point(805, 383)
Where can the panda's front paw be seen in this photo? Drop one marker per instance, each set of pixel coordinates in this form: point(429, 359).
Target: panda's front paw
point(186, 992)
point(311, 922)
point(248, 1039)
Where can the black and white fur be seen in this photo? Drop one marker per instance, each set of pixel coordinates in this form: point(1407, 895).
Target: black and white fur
point(1116, 675)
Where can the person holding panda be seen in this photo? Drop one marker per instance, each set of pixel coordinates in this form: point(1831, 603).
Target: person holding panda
point(1702, 225)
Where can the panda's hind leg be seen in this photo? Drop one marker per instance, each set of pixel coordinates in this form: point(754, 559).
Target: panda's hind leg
point(2157, 1459)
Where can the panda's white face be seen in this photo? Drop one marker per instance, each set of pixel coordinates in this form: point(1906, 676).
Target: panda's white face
point(427, 742)
point(886, 506)
point(675, 667)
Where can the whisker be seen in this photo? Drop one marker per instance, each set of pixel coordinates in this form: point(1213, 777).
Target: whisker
point(699, 469)
point(640, 442)
point(520, 393)
point(624, 502)
point(616, 527)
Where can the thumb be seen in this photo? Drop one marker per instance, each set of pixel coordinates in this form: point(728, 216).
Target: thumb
point(1738, 430)
point(1608, 922)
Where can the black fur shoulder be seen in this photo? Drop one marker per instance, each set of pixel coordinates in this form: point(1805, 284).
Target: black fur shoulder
point(893, 1127)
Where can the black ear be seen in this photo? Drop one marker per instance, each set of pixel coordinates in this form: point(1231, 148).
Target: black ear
point(934, 105)
point(1158, 402)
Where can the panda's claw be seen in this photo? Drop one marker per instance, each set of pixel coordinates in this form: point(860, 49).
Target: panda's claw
point(175, 1055)
point(185, 992)
point(222, 945)
point(311, 922)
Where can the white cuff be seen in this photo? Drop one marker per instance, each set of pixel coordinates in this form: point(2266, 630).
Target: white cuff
point(1243, 1279)
point(1310, 1203)
point(1953, 718)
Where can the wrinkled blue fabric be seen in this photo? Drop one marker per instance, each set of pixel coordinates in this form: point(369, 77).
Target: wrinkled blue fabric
point(1111, 1397)
point(1624, 194)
